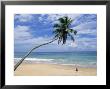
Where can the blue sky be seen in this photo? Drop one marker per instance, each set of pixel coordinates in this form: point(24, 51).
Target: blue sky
point(34, 29)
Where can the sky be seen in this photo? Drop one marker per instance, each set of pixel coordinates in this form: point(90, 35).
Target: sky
point(35, 29)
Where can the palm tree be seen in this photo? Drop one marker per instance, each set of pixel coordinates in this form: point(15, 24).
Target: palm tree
point(61, 30)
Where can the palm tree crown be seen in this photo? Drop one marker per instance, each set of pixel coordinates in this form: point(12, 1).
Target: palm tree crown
point(62, 29)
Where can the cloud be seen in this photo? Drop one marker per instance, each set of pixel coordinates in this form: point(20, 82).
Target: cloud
point(73, 45)
point(57, 16)
point(23, 17)
point(21, 32)
point(24, 41)
point(87, 29)
point(87, 25)
point(40, 19)
point(52, 18)
point(34, 41)
point(27, 36)
point(86, 43)
point(89, 45)
point(84, 18)
point(22, 35)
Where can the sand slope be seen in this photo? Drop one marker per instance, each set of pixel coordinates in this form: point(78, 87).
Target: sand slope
point(27, 69)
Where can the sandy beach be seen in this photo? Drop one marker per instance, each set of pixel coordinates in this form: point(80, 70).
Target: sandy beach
point(43, 69)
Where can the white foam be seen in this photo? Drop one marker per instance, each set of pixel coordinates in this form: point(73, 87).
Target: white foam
point(35, 59)
point(38, 60)
point(69, 64)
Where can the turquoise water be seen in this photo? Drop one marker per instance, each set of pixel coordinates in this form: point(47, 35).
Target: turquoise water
point(82, 58)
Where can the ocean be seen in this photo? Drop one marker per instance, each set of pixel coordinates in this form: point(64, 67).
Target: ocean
point(80, 58)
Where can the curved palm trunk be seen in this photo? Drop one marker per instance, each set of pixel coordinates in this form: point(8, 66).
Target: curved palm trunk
point(16, 66)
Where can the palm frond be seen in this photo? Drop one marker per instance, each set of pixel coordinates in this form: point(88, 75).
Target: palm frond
point(61, 20)
point(56, 31)
point(56, 25)
point(75, 32)
point(72, 38)
point(62, 29)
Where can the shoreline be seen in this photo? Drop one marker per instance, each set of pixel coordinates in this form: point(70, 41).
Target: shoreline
point(53, 63)
point(46, 69)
